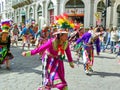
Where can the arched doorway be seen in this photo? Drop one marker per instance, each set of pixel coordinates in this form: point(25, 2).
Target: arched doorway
point(17, 16)
point(31, 12)
point(13, 16)
point(118, 16)
point(23, 15)
point(75, 10)
point(39, 14)
point(51, 13)
point(102, 12)
point(8, 15)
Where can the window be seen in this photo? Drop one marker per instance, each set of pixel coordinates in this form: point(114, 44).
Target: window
point(50, 6)
point(118, 19)
point(118, 15)
point(39, 11)
point(51, 12)
point(75, 4)
point(0, 7)
point(31, 13)
point(100, 6)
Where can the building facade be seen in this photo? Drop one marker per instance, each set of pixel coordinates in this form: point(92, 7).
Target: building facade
point(2, 9)
point(6, 10)
point(88, 12)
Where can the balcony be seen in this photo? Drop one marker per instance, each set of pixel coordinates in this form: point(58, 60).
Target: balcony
point(20, 3)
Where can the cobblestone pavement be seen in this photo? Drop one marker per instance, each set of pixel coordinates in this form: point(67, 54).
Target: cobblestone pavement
point(25, 73)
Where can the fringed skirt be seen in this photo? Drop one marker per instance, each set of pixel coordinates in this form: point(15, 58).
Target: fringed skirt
point(88, 55)
point(5, 55)
point(53, 73)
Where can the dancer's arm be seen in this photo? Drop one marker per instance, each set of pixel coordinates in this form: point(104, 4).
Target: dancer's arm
point(38, 50)
point(69, 56)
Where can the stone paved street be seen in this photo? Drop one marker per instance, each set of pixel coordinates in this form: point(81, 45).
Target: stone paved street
point(25, 73)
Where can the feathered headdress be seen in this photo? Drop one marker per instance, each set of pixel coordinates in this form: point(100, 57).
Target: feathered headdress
point(63, 21)
point(5, 25)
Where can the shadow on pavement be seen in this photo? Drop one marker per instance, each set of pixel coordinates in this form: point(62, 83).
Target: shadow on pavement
point(105, 74)
point(22, 64)
point(107, 57)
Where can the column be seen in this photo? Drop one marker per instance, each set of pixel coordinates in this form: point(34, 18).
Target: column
point(95, 11)
point(111, 13)
point(35, 11)
point(91, 12)
point(115, 14)
point(15, 17)
point(20, 15)
point(26, 15)
point(58, 7)
point(28, 10)
point(87, 14)
point(44, 12)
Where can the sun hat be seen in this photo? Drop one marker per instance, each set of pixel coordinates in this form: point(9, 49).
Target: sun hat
point(60, 31)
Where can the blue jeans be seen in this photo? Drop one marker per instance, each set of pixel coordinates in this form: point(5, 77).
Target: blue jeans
point(113, 49)
point(107, 43)
point(102, 46)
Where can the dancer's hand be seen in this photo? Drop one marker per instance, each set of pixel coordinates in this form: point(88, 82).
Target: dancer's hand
point(71, 64)
point(23, 53)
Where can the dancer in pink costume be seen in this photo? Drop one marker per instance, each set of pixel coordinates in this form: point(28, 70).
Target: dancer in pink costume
point(54, 55)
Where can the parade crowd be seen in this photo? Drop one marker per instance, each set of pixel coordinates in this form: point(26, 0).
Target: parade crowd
point(54, 42)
